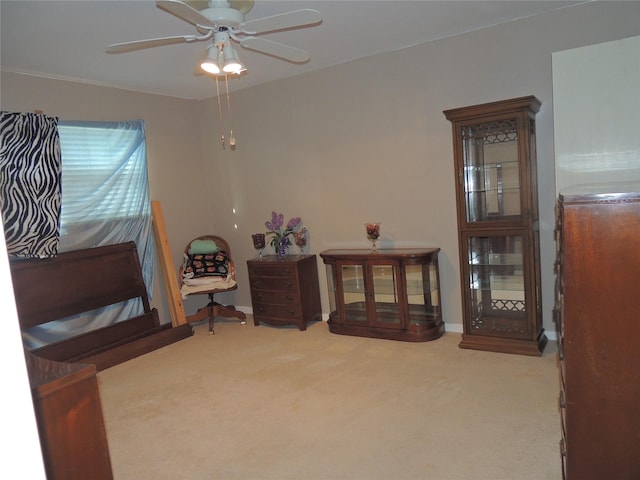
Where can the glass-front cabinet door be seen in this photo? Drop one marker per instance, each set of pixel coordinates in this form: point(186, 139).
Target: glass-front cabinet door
point(423, 293)
point(353, 297)
point(490, 171)
point(370, 293)
point(385, 303)
point(497, 285)
point(497, 207)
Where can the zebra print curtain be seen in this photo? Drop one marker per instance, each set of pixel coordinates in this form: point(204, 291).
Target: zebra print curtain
point(30, 187)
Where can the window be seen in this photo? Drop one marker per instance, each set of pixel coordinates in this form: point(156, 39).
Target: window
point(104, 172)
point(105, 188)
point(105, 200)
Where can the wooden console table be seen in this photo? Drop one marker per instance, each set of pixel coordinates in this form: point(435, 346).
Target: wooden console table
point(389, 293)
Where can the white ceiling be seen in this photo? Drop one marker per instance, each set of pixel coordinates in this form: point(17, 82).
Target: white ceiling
point(67, 39)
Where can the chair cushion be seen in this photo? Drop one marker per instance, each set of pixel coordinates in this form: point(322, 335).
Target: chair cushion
point(202, 246)
point(209, 264)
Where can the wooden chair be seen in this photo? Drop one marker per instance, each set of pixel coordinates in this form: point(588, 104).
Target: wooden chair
point(214, 309)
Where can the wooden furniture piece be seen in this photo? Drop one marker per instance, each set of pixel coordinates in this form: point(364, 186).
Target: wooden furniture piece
point(172, 290)
point(387, 293)
point(79, 281)
point(598, 320)
point(68, 412)
point(494, 148)
point(214, 309)
point(285, 290)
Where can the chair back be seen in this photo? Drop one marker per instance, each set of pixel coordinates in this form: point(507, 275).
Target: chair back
point(222, 245)
point(220, 242)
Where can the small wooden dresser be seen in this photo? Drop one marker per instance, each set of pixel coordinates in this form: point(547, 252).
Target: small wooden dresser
point(285, 291)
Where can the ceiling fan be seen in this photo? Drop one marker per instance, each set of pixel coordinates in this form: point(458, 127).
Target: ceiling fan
point(221, 21)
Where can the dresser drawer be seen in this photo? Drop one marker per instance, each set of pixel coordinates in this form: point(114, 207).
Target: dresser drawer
point(281, 312)
point(272, 270)
point(274, 283)
point(260, 297)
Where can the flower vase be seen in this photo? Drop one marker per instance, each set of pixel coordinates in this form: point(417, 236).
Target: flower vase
point(281, 246)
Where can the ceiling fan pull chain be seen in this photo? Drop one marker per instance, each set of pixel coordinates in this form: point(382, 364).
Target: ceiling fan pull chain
point(220, 112)
point(232, 139)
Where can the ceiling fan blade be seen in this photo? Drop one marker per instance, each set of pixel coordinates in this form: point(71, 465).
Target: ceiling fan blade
point(294, 19)
point(275, 49)
point(184, 12)
point(154, 42)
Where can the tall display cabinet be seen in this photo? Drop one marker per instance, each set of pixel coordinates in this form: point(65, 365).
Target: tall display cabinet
point(497, 204)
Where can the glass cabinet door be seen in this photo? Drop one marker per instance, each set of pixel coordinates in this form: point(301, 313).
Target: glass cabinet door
point(490, 174)
point(352, 279)
point(370, 294)
point(496, 282)
point(384, 294)
point(423, 293)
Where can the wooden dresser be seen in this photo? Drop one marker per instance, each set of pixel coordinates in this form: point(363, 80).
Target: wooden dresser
point(598, 318)
point(285, 291)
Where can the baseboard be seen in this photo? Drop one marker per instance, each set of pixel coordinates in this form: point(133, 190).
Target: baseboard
point(453, 327)
point(448, 327)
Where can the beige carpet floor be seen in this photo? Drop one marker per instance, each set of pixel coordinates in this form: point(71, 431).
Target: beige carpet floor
point(275, 403)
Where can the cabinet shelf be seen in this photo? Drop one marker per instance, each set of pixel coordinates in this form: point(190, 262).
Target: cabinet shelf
point(496, 259)
point(492, 176)
point(497, 283)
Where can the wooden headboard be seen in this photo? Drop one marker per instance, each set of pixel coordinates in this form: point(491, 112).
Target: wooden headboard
point(79, 281)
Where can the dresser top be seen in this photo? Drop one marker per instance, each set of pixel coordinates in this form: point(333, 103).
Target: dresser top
point(275, 259)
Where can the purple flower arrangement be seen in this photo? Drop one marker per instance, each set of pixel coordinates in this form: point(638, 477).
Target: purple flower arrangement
point(280, 234)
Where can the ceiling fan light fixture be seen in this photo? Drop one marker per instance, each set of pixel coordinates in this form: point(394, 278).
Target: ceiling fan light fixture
point(231, 62)
point(211, 64)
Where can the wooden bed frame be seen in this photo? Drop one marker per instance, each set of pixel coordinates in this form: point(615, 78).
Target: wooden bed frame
point(75, 282)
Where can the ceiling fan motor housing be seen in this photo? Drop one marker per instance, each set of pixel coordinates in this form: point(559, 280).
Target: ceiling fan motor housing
point(224, 16)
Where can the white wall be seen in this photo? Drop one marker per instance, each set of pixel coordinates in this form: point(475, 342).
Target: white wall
point(597, 114)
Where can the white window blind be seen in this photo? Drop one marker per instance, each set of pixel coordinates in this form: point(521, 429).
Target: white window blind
point(104, 171)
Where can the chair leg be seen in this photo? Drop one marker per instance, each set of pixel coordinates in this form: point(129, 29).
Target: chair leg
point(211, 310)
point(217, 309)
